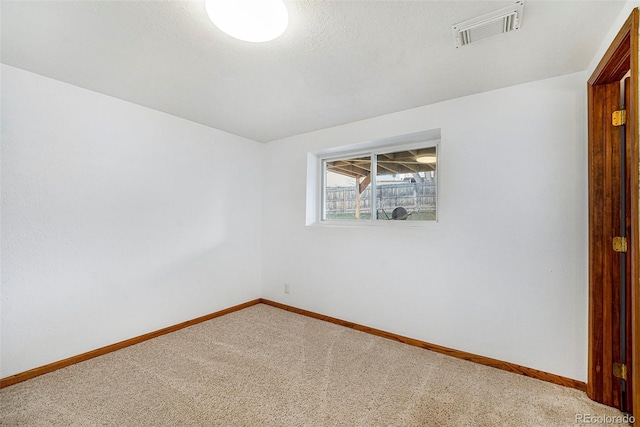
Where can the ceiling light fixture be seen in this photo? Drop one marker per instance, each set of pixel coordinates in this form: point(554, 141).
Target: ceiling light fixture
point(249, 20)
point(428, 159)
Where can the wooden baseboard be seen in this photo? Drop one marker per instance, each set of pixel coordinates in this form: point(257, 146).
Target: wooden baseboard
point(505, 366)
point(23, 376)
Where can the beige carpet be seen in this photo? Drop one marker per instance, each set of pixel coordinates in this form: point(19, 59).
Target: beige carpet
point(267, 367)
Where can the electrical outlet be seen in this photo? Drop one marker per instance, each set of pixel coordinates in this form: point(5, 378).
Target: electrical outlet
point(287, 288)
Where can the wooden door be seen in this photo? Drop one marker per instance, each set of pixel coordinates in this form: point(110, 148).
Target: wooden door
point(614, 296)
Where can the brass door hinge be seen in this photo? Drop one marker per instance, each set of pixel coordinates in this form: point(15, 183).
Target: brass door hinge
point(620, 244)
point(619, 118)
point(620, 370)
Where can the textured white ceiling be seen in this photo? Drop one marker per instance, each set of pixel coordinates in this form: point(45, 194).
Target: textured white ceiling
point(338, 62)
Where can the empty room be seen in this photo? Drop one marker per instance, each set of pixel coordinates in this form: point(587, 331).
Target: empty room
point(192, 233)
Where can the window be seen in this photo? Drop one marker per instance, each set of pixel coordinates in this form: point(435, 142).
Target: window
point(396, 181)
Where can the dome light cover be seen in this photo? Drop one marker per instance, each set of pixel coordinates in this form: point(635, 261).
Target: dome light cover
point(249, 20)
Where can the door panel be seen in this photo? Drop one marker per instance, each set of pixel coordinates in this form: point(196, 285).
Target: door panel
point(604, 224)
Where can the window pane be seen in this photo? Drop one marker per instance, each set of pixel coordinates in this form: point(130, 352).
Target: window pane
point(406, 185)
point(347, 191)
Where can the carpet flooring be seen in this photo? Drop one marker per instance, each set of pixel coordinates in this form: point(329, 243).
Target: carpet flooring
point(263, 366)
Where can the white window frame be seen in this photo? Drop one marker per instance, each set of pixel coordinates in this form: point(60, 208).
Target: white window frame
point(316, 177)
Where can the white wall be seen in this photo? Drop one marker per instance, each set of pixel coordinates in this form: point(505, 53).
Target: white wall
point(117, 220)
point(503, 274)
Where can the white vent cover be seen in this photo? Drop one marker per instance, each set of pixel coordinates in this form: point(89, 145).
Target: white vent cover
point(489, 25)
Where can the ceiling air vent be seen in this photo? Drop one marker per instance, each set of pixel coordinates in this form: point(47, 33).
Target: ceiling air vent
point(489, 25)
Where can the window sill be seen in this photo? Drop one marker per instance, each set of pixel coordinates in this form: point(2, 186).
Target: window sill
point(376, 224)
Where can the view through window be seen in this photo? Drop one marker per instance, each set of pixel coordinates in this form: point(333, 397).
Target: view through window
point(404, 183)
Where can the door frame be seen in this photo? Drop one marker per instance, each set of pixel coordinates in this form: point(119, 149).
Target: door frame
point(619, 58)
